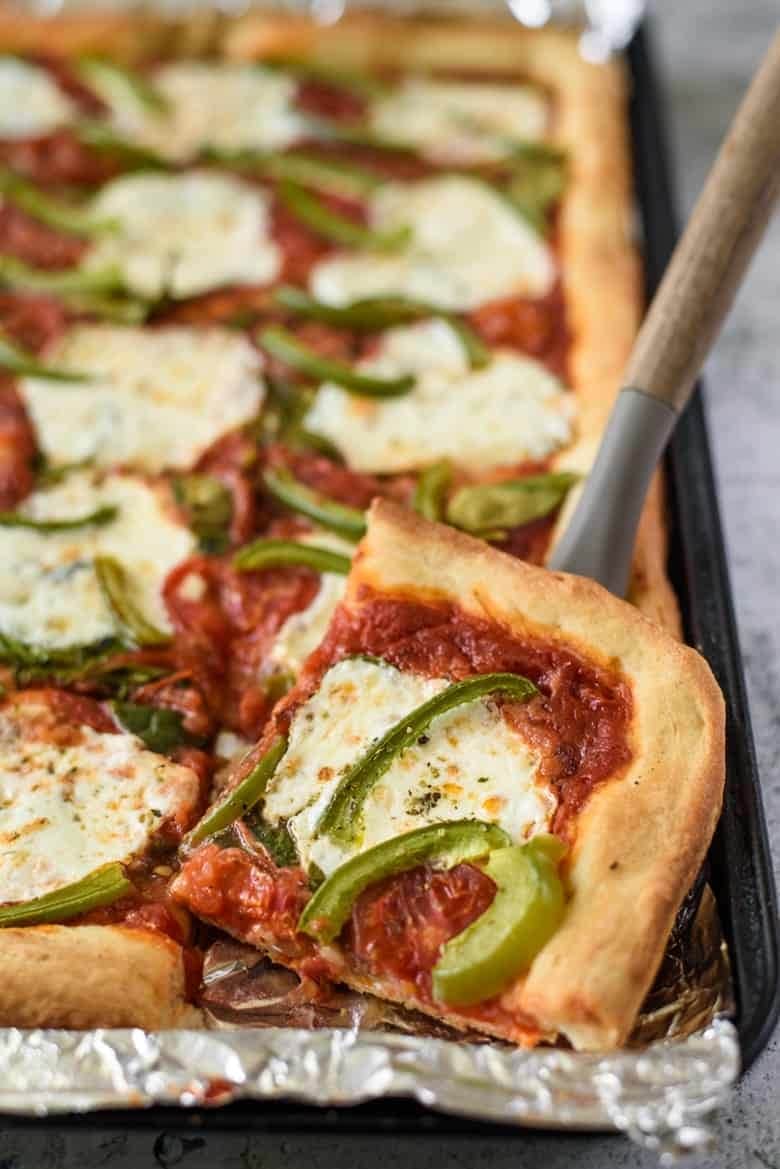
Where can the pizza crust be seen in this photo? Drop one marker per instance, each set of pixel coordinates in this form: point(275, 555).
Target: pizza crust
point(642, 837)
point(92, 976)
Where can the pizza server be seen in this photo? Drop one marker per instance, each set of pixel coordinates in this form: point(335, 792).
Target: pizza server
point(682, 323)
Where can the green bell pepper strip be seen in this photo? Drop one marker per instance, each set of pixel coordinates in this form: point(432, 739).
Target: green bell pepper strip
point(115, 84)
point(381, 312)
point(98, 518)
point(445, 845)
point(359, 84)
point(354, 134)
point(334, 176)
point(82, 281)
point(428, 498)
point(158, 727)
point(347, 521)
point(494, 507)
point(527, 909)
point(243, 797)
point(115, 587)
point(270, 553)
point(315, 214)
point(101, 887)
point(209, 508)
point(342, 819)
point(53, 212)
point(99, 136)
point(19, 363)
point(286, 347)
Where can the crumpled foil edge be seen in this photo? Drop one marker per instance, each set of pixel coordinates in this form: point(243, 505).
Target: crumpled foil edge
point(662, 1097)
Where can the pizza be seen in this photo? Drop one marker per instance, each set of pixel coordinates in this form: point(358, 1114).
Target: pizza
point(307, 339)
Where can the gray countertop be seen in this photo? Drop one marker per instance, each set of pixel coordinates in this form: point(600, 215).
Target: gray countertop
point(707, 50)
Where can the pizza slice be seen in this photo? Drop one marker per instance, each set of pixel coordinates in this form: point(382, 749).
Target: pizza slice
point(89, 822)
point(485, 797)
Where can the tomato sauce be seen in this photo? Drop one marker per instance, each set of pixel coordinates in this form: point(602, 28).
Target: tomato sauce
point(31, 241)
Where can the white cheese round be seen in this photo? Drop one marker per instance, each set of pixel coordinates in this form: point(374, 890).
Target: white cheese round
point(302, 632)
point(232, 107)
point(49, 592)
point(67, 810)
point(185, 233)
point(468, 247)
point(465, 122)
point(159, 399)
point(510, 411)
point(471, 764)
point(31, 102)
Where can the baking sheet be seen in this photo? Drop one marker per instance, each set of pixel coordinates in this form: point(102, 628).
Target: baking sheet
point(662, 1095)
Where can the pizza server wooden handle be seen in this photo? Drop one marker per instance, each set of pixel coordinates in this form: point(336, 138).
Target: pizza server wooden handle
point(681, 325)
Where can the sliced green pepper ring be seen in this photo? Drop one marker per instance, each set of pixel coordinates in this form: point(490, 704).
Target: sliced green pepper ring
point(101, 887)
point(489, 954)
point(445, 844)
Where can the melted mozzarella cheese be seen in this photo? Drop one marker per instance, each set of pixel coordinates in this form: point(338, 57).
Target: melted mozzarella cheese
point(67, 810)
point(512, 410)
point(468, 247)
point(159, 398)
point(471, 764)
point(302, 632)
point(233, 107)
point(49, 592)
point(184, 234)
point(460, 122)
point(31, 102)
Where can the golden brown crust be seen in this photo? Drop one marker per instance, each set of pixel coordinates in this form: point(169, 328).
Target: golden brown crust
point(92, 976)
point(642, 837)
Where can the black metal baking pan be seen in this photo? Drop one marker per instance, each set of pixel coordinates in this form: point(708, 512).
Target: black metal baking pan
point(740, 866)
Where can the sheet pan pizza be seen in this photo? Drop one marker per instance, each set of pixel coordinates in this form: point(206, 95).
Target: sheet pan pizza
point(307, 338)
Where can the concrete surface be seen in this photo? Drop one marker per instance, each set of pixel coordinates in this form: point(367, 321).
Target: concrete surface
point(708, 48)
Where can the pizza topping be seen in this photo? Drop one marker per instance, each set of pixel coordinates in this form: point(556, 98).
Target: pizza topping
point(503, 412)
point(117, 593)
point(489, 509)
point(445, 845)
point(14, 360)
point(284, 487)
point(287, 348)
point(97, 889)
point(331, 225)
point(50, 592)
point(160, 728)
point(460, 122)
point(66, 217)
point(156, 398)
point(119, 86)
point(264, 553)
point(431, 487)
point(73, 799)
point(201, 104)
point(31, 101)
point(332, 176)
point(101, 515)
point(469, 762)
point(493, 950)
point(342, 819)
point(243, 797)
point(468, 247)
point(181, 234)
